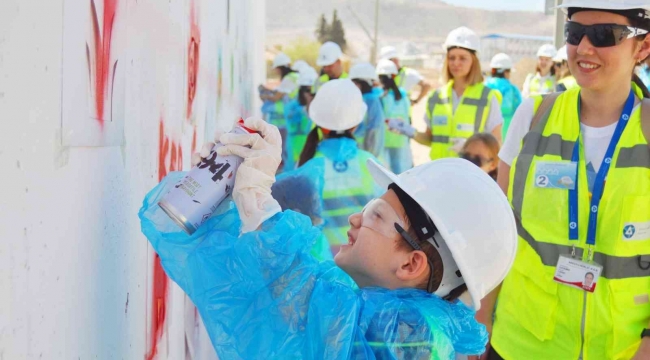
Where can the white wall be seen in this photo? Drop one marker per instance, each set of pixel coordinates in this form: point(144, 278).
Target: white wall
point(76, 274)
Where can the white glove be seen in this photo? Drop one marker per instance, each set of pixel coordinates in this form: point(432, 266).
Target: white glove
point(262, 154)
point(206, 149)
point(400, 127)
point(458, 144)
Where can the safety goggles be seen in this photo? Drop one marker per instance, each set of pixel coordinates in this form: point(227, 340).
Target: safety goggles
point(380, 217)
point(600, 35)
point(475, 159)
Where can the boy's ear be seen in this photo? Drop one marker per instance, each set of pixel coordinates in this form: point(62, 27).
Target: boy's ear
point(414, 267)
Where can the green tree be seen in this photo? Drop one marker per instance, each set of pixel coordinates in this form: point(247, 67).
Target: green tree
point(322, 29)
point(303, 48)
point(337, 33)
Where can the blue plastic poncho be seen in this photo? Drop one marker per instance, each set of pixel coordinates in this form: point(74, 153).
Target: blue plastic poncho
point(397, 152)
point(262, 295)
point(511, 99)
point(370, 133)
point(298, 127)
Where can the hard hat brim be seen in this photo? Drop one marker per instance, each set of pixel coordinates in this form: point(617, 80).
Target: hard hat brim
point(324, 62)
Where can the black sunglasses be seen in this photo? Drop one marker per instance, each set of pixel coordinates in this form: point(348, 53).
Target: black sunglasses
point(600, 35)
point(414, 244)
point(475, 159)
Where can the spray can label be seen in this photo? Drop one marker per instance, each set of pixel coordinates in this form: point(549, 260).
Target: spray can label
point(195, 198)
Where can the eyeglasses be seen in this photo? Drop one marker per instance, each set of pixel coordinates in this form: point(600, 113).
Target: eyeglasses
point(475, 159)
point(600, 35)
point(380, 217)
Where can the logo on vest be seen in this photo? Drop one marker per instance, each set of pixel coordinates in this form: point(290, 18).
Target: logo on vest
point(629, 231)
point(341, 166)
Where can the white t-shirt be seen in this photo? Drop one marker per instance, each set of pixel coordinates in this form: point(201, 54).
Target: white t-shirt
point(288, 85)
point(411, 78)
point(495, 118)
point(596, 139)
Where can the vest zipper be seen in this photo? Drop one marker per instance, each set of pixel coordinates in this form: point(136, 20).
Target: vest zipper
point(582, 325)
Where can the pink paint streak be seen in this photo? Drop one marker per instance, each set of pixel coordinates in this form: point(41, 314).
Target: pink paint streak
point(102, 52)
point(192, 59)
point(167, 150)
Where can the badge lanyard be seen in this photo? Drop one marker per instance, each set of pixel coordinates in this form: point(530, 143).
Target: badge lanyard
point(599, 183)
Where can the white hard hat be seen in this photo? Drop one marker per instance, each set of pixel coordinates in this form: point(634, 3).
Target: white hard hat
point(606, 4)
point(386, 67)
point(477, 229)
point(501, 61)
point(363, 71)
point(328, 54)
point(281, 59)
point(338, 106)
point(547, 50)
point(307, 76)
point(388, 52)
point(464, 38)
point(561, 55)
point(298, 65)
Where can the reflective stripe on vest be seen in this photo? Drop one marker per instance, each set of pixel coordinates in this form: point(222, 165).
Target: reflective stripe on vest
point(346, 191)
point(536, 317)
point(536, 87)
point(469, 118)
point(323, 79)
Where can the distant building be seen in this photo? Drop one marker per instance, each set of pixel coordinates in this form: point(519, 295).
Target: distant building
point(518, 47)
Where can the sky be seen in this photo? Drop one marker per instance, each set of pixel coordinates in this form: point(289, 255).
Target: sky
point(525, 5)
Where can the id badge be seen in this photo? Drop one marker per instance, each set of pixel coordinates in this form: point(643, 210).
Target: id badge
point(577, 273)
point(556, 175)
point(440, 120)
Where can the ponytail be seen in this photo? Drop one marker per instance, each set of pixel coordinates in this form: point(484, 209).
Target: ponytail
point(309, 150)
point(311, 144)
point(389, 83)
point(641, 85)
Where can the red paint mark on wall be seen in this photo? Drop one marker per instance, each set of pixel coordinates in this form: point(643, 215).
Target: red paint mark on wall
point(170, 158)
point(192, 59)
point(101, 49)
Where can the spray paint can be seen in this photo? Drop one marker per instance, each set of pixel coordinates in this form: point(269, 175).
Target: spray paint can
point(195, 198)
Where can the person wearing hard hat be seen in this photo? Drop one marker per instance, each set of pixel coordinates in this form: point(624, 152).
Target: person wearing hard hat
point(370, 133)
point(404, 286)
point(297, 117)
point(565, 80)
point(406, 78)
point(285, 92)
point(501, 65)
point(332, 154)
point(462, 107)
point(397, 108)
point(329, 59)
point(543, 81)
point(575, 167)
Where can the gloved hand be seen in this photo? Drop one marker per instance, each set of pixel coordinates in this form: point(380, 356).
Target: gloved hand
point(262, 154)
point(400, 127)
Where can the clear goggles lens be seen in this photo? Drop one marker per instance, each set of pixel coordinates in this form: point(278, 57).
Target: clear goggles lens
point(379, 216)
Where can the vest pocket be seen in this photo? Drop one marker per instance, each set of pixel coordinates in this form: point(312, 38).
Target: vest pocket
point(630, 311)
point(531, 300)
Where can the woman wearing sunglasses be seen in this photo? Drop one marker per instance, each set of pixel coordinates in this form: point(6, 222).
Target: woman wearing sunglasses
point(565, 80)
point(554, 163)
point(482, 150)
point(441, 232)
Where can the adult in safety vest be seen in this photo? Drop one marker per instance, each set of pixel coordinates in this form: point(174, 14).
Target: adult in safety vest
point(565, 80)
point(331, 153)
point(370, 133)
point(329, 59)
point(396, 105)
point(462, 107)
point(576, 168)
point(543, 80)
point(275, 100)
point(407, 78)
point(298, 122)
point(501, 65)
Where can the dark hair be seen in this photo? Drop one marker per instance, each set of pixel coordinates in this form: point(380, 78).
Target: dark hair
point(365, 87)
point(284, 71)
point(539, 70)
point(304, 90)
point(389, 83)
point(313, 139)
point(590, 273)
point(499, 73)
